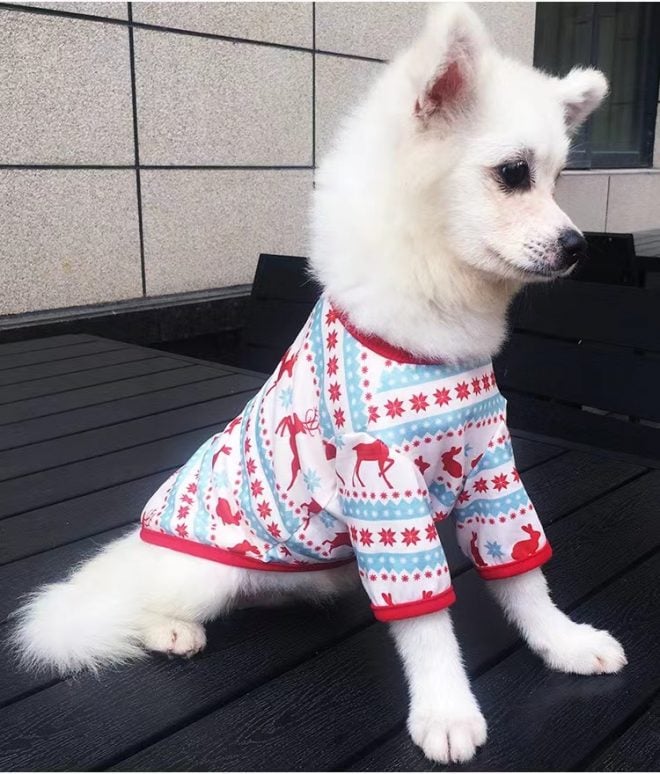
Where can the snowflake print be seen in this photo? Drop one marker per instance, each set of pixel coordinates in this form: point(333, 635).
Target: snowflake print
point(476, 386)
point(419, 403)
point(274, 530)
point(251, 466)
point(333, 365)
point(187, 499)
point(500, 482)
point(485, 380)
point(462, 391)
point(312, 480)
point(387, 537)
point(494, 549)
point(182, 531)
point(286, 397)
point(183, 512)
point(192, 488)
point(515, 475)
point(334, 390)
point(264, 509)
point(340, 421)
point(257, 488)
point(331, 340)
point(373, 413)
point(463, 497)
point(481, 485)
point(431, 532)
point(328, 520)
point(442, 397)
point(354, 534)
point(410, 536)
point(366, 537)
point(394, 408)
point(331, 316)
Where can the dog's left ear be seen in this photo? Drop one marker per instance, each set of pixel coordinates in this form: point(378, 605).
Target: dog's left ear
point(581, 92)
point(445, 62)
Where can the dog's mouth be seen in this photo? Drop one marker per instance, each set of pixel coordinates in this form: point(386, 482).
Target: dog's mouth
point(539, 272)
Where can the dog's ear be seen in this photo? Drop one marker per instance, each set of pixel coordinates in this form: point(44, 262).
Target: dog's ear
point(581, 92)
point(446, 61)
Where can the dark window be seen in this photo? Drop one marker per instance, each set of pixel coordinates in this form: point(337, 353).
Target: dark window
point(622, 40)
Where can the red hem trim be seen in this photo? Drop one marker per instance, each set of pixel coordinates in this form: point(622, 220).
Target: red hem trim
point(223, 556)
point(510, 569)
point(413, 609)
point(382, 347)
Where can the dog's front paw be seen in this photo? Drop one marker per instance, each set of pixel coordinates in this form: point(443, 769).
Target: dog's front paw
point(583, 650)
point(448, 736)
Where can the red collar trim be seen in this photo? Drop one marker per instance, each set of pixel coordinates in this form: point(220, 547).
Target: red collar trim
point(380, 346)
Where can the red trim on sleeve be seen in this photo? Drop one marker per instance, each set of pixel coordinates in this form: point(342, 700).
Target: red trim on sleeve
point(222, 555)
point(413, 609)
point(510, 569)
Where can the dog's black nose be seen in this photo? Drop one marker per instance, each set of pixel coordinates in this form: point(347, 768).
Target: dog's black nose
point(572, 247)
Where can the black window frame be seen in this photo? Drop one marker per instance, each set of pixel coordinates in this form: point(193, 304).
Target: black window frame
point(582, 156)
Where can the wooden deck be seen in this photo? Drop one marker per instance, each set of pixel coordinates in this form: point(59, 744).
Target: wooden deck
point(88, 429)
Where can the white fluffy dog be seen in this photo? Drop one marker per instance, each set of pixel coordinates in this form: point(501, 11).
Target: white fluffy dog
point(434, 207)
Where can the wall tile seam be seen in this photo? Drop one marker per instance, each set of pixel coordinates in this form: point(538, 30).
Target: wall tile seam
point(179, 31)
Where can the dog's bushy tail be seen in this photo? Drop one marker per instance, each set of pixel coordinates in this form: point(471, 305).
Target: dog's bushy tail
point(88, 621)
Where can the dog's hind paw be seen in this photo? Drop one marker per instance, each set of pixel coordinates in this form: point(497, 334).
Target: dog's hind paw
point(584, 650)
point(448, 737)
point(174, 637)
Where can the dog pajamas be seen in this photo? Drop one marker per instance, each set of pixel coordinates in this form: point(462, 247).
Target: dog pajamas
point(353, 450)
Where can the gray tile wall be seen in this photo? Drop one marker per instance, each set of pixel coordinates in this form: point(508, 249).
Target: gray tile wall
point(155, 148)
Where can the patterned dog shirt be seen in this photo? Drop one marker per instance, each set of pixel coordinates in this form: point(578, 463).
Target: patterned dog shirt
point(354, 450)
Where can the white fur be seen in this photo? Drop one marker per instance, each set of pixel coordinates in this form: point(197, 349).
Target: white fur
point(415, 240)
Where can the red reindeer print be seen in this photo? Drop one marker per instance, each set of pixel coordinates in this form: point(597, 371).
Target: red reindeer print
point(376, 451)
point(245, 548)
point(221, 450)
point(293, 425)
point(286, 367)
point(340, 539)
point(474, 550)
point(450, 464)
point(523, 549)
point(388, 598)
point(476, 461)
point(313, 508)
point(331, 454)
point(223, 510)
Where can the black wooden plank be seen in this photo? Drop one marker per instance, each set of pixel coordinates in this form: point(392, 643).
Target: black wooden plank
point(47, 528)
point(556, 488)
point(636, 749)
point(541, 720)
point(17, 377)
point(29, 362)
point(529, 452)
point(14, 416)
point(41, 344)
point(564, 423)
point(359, 686)
point(622, 382)
point(21, 577)
point(626, 317)
point(52, 486)
point(110, 373)
point(116, 711)
point(125, 434)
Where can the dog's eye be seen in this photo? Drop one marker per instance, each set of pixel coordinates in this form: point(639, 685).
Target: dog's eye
point(515, 175)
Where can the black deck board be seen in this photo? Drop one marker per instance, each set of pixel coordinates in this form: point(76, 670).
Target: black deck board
point(637, 749)
point(39, 345)
point(294, 688)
